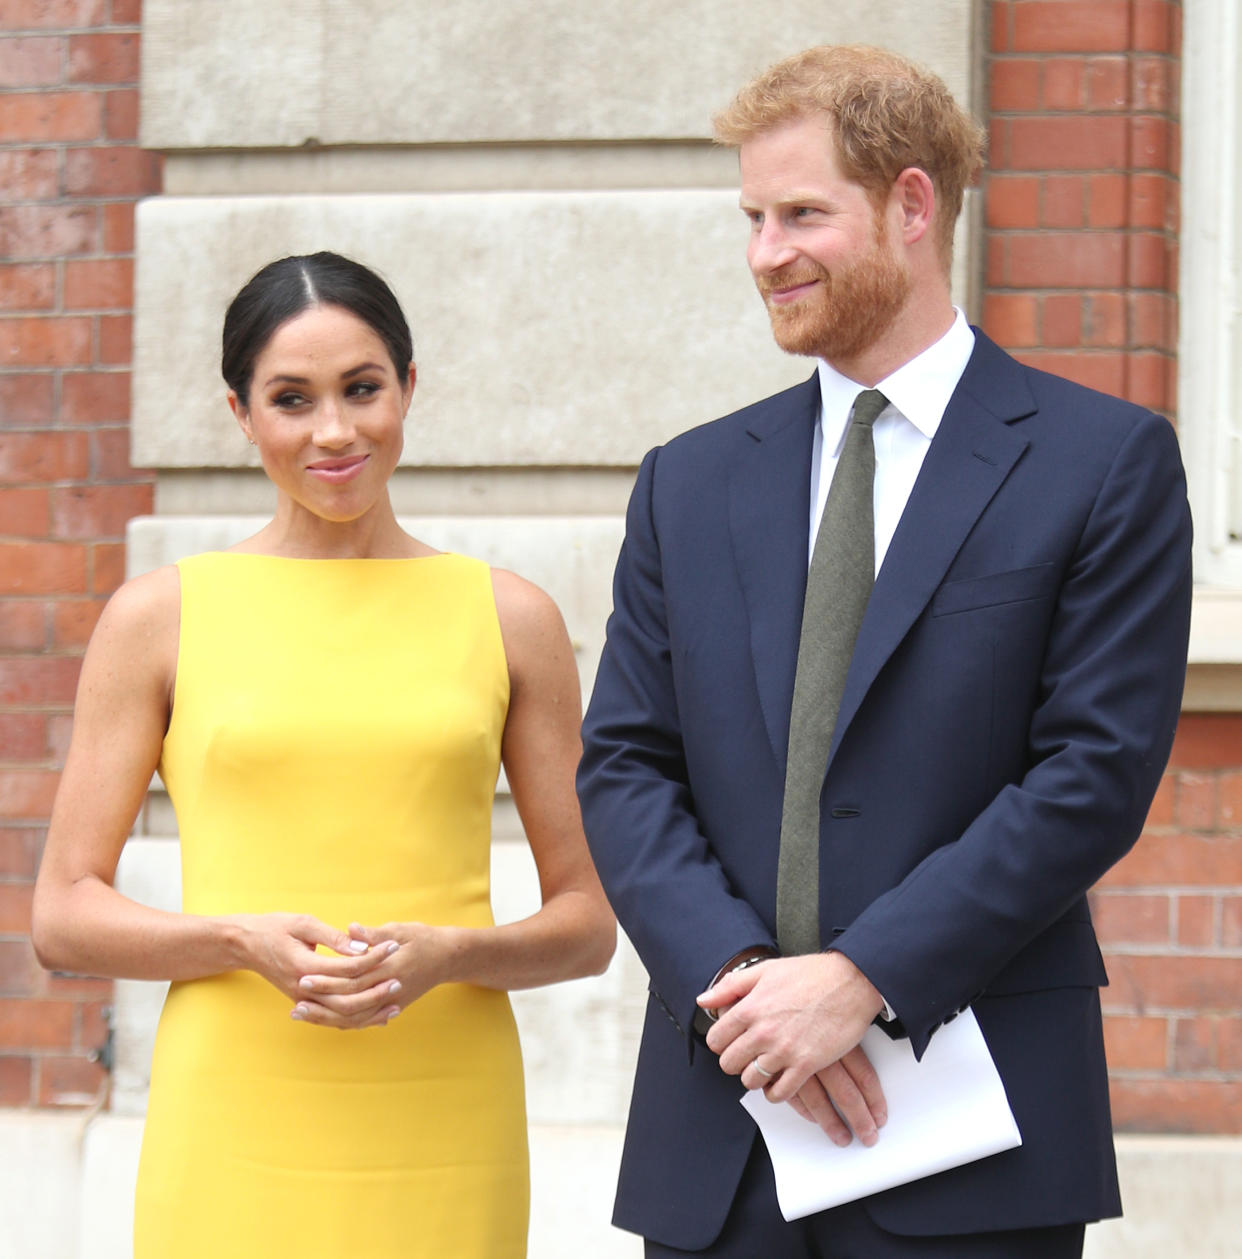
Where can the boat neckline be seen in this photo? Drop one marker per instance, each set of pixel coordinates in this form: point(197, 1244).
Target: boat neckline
point(335, 559)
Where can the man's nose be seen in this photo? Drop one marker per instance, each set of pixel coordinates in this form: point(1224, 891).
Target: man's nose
point(770, 248)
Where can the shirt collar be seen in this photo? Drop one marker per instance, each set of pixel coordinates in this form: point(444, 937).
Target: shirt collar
point(919, 389)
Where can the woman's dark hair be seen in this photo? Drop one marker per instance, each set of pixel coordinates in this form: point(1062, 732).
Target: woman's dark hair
point(289, 286)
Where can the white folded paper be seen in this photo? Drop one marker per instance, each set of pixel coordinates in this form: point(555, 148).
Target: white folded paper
point(946, 1110)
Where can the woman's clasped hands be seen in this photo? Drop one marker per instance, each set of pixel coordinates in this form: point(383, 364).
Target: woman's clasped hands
point(363, 977)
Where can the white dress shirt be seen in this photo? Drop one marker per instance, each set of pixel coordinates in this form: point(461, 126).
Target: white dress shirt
point(918, 394)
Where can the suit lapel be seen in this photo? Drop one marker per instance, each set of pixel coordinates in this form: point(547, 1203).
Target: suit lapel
point(969, 459)
point(769, 519)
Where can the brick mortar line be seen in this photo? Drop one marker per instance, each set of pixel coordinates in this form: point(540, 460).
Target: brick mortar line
point(57, 32)
point(1220, 1075)
point(1202, 889)
point(1087, 228)
point(1181, 952)
point(1095, 54)
point(60, 314)
point(1172, 889)
point(1058, 113)
point(70, 89)
point(1181, 1014)
point(86, 312)
point(141, 476)
point(1178, 1014)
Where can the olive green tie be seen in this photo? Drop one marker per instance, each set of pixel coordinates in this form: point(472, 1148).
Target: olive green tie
point(838, 586)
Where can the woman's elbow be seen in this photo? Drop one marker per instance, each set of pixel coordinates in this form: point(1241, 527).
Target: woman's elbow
point(51, 934)
point(45, 936)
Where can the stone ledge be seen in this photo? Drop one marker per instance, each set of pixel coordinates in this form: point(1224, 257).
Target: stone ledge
point(1216, 626)
point(450, 168)
point(219, 75)
point(1214, 672)
point(415, 491)
point(568, 330)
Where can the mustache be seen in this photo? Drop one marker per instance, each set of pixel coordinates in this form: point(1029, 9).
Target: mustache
point(788, 279)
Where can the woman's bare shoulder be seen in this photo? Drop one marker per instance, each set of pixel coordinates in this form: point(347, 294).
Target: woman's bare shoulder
point(524, 609)
point(145, 610)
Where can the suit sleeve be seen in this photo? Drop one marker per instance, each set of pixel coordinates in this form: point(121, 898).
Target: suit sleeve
point(1099, 739)
point(667, 888)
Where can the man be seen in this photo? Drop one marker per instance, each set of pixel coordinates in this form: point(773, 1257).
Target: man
point(975, 739)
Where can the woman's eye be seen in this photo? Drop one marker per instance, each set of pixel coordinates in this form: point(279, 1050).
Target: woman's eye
point(288, 400)
point(363, 388)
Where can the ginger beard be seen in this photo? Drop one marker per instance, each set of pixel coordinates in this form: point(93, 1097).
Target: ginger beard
point(847, 311)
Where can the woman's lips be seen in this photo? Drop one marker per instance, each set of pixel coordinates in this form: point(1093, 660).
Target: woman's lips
point(337, 470)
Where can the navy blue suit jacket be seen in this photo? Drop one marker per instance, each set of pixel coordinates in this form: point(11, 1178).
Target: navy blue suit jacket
point(1006, 718)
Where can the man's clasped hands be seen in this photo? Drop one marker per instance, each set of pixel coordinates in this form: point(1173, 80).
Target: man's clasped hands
point(791, 1026)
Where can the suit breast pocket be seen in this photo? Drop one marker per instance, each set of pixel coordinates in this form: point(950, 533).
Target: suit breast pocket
point(1018, 585)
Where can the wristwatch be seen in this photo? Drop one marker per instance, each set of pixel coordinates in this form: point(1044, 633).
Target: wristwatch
point(704, 1017)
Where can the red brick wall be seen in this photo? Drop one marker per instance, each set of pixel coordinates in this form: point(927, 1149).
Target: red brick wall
point(1080, 277)
point(70, 171)
point(1081, 195)
point(1170, 920)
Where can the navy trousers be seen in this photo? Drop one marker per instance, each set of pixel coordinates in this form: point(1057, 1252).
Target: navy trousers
point(755, 1229)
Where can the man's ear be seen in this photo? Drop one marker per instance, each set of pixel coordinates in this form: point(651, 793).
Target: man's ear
point(915, 196)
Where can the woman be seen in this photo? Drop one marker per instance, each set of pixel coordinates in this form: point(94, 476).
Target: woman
point(328, 703)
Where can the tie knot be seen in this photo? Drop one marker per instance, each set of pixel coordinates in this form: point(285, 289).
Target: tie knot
point(868, 405)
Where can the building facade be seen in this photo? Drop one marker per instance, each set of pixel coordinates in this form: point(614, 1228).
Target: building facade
point(538, 184)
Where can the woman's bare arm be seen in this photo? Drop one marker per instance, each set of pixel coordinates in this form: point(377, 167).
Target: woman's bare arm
point(81, 922)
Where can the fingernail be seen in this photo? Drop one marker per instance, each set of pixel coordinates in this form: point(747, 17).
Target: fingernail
point(306, 982)
point(297, 1013)
point(391, 947)
point(842, 1140)
point(358, 946)
point(392, 1014)
point(395, 986)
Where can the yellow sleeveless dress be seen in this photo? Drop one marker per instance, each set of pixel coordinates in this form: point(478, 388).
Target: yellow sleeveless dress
point(333, 750)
